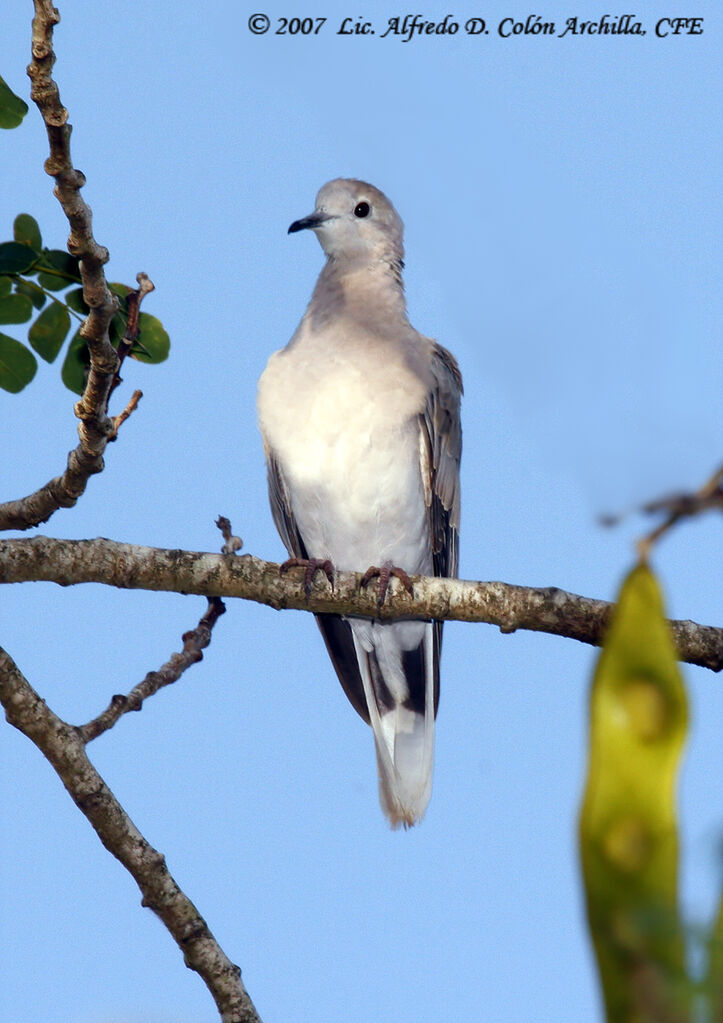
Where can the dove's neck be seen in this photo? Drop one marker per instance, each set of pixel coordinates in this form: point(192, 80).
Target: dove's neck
point(364, 291)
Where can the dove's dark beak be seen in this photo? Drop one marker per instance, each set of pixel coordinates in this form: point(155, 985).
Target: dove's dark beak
point(315, 220)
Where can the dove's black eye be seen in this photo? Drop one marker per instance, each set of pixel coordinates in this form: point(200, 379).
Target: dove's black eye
point(362, 209)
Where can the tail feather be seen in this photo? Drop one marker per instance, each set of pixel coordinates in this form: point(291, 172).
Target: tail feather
point(403, 726)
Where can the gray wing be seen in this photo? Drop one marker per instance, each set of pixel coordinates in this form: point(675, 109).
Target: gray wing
point(281, 509)
point(440, 454)
point(441, 451)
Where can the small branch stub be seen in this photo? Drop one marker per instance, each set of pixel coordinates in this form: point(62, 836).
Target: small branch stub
point(127, 411)
point(232, 544)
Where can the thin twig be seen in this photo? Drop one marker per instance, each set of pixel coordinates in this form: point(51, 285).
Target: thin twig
point(194, 643)
point(64, 747)
point(133, 329)
point(550, 610)
point(676, 506)
point(679, 506)
point(127, 411)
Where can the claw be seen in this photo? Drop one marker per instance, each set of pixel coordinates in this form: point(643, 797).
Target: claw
point(384, 574)
point(311, 566)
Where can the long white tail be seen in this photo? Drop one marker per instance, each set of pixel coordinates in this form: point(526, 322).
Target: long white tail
point(403, 734)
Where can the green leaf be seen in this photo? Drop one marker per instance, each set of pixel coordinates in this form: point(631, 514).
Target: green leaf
point(628, 830)
point(31, 291)
point(17, 365)
point(75, 300)
point(75, 364)
point(16, 258)
point(122, 290)
point(49, 331)
point(57, 269)
point(15, 309)
point(62, 261)
point(52, 282)
point(6, 286)
point(12, 108)
point(26, 231)
point(154, 339)
point(116, 329)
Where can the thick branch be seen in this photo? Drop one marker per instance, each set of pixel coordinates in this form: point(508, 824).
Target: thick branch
point(129, 566)
point(63, 746)
point(95, 428)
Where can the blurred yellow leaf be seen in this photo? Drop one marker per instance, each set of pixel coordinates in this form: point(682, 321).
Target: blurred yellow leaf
point(628, 830)
point(713, 985)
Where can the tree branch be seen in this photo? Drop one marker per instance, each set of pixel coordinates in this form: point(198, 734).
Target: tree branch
point(129, 566)
point(95, 427)
point(194, 643)
point(63, 746)
point(679, 506)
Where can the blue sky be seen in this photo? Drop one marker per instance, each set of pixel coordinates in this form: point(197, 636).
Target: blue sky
point(562, 206)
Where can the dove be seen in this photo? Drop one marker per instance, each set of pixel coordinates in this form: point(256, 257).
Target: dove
point(360, 420)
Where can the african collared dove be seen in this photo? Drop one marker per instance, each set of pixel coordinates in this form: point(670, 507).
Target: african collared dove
point(360, 421)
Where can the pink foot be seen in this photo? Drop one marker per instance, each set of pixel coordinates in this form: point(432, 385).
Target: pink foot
point(384, 574)
point(312, 566)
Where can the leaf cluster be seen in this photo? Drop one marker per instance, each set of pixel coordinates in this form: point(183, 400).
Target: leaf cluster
point(37, 280)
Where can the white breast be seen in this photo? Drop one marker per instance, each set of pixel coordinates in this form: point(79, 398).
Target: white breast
point(343, 424)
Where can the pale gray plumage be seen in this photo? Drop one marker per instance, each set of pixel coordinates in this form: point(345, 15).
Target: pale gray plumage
point(360, 420)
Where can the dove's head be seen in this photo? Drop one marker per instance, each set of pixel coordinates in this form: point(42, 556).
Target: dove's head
point(355, 221)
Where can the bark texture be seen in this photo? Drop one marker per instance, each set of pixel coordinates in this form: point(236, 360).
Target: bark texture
point(131, 566)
